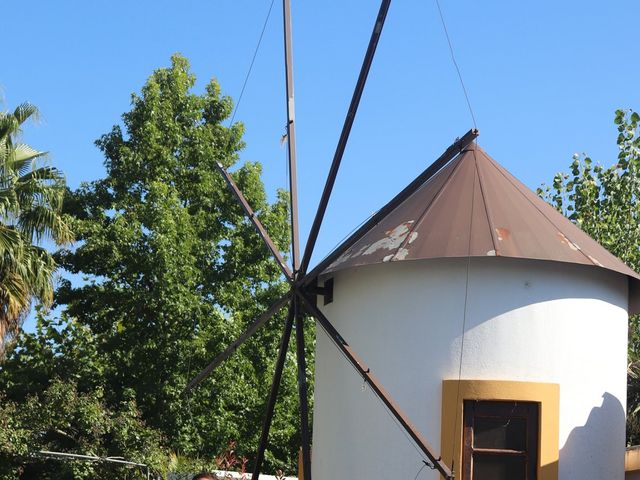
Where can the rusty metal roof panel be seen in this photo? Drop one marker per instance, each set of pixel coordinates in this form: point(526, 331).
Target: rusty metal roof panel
point(474, 207)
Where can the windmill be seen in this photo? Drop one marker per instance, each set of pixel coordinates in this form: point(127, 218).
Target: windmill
point(303, 287)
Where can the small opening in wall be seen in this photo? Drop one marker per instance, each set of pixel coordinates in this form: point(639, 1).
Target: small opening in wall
point(500, 440)
point(328, 291)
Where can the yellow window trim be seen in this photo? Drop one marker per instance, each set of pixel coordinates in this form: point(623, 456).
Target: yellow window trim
point(454, 393)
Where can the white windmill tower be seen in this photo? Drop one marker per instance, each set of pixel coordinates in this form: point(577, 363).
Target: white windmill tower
point(498, 325)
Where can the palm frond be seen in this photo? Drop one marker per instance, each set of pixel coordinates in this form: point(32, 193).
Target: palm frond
point(9, 125)
point(30, 211)
point(5, 152)
point(37, 223)
point(40, 273)
point(40, 222)
point(14, 303)
point(23, 156)
point(24, 111)
point(10, 241)
point(44, 186)
point(49, 174)
point(8, 202)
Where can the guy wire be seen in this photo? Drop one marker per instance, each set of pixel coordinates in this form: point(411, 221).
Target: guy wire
point(424, 464)
point(455, 64)
point(253, 59)
point(410, 440)
point(464, 314)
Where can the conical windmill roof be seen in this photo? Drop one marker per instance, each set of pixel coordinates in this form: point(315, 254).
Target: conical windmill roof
point(474, 207)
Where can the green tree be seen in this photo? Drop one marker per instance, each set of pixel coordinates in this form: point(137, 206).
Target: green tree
point(30, 204)
point(174, 271)
point(603, 201)
point(60, 414)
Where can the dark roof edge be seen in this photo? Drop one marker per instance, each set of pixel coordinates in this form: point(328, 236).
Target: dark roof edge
point(449, 154)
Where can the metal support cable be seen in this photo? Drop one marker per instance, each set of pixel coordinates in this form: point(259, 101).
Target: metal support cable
point(253, 59)
point(464, 312)
point(455, 64)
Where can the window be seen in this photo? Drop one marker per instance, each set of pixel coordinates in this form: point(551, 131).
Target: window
point(545, 396)
point(500, 440)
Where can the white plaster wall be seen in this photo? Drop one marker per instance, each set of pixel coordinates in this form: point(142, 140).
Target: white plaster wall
point(526, 321)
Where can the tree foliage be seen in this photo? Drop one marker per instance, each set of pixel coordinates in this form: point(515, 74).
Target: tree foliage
point(62, 415)
point(604, 202)
point(30, 205)
point(173, 272)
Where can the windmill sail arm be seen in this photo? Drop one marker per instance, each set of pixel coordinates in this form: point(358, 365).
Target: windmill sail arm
point(378, 389)
point(291, 136)
point(261, 320)
point(344, 135)
point(255, 222)
point(273, 392)
point(305, 434)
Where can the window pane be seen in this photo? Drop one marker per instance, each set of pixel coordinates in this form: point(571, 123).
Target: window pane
point(498, 467)
point(502, 433)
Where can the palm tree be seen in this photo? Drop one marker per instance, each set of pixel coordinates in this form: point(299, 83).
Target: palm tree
point(30, 213)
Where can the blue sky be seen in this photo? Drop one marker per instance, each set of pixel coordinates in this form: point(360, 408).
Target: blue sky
point(544, 79)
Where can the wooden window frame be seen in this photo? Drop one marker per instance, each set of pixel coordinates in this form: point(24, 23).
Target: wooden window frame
point(454, 392)
point(510, 409)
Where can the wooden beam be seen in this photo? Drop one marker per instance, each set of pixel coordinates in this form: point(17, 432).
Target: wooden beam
point(256, 223)
point(273, 394)
point(302, 393)
point(261, 320)
point(344, 135)
point(291, 136)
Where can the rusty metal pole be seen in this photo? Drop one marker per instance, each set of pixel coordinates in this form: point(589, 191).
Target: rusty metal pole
point(344, 135)
point(295, 240)
point(230, 350)
point(255, 222)
point(273, 394)
point(302, 391)
point(291, 137)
